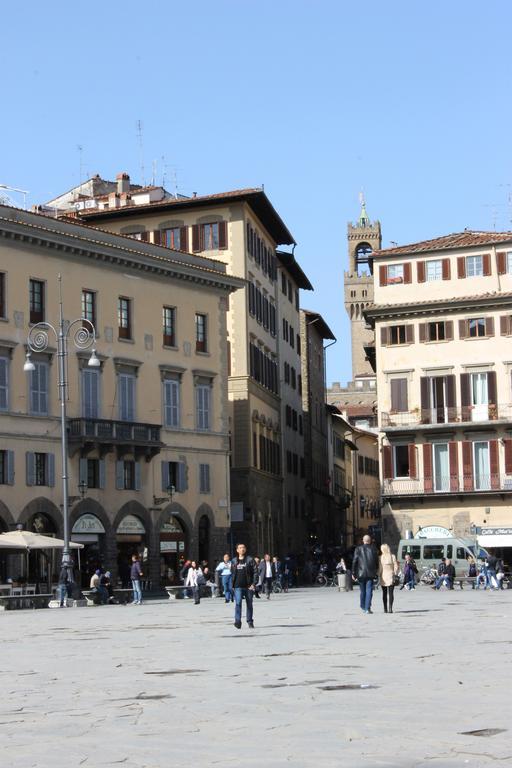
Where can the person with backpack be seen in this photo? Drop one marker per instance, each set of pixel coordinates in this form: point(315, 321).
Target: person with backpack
point(245, 576)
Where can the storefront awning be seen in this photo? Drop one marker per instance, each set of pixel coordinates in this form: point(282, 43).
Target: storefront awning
point(498, 540)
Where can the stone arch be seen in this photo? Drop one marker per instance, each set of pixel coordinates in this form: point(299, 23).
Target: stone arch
point(6, 518)
point(42, 506)
point(177, 511)
point(92, 507)
point(138, 510)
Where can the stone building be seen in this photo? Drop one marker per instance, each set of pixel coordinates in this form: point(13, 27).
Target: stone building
point(357, 400)
point(148, 429)
point(291, 279)
point(241, 230)
point(314, 331)
point(442, 317)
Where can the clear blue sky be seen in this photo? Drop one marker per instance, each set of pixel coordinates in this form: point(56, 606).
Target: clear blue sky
point(410, 101)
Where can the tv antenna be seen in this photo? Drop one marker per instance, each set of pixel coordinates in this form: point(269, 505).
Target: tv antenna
point(6, 200)
point(141, 153)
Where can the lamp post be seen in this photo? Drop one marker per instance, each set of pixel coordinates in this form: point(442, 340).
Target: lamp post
point(83, 336)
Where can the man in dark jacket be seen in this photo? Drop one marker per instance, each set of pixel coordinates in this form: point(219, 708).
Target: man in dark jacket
point(245, 576)
point(365, 567)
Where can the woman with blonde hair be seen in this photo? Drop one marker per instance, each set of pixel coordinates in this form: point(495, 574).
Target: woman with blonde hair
point(388, 570)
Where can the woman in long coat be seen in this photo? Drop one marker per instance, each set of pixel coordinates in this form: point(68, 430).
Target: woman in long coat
point(388, 569)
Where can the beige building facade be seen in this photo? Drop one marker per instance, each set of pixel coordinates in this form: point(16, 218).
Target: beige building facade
point(442, 318)
point(148, 430)
point(241, 230)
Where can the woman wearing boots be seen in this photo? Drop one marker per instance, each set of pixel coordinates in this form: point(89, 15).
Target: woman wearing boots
point(388, 569)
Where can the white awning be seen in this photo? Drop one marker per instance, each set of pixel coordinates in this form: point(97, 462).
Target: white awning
point(499, 540)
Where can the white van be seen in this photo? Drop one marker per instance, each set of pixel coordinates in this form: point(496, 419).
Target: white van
point(428, 553)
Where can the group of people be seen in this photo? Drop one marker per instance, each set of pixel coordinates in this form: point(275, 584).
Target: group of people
point(368, 566)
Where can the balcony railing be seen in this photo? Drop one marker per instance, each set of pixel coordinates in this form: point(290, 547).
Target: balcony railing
point(447, 484)
point(108, 434)
point(460, 415)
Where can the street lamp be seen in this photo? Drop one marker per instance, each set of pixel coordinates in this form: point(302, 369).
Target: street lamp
point(170, 490)
point(83, 337)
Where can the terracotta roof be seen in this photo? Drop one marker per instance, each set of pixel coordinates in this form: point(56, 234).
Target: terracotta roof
point(453, 301)
point(254, 197)
point(292, 266)
point(466, 239)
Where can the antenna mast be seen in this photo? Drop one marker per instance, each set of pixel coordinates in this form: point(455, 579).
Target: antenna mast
point(141, 153)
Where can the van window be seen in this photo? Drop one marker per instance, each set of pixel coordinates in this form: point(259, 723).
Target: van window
point(433, 551)
point(449, 551)
point(461, 553)
point(413, 551)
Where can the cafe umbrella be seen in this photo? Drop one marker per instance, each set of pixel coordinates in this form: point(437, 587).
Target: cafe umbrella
point(27, 540)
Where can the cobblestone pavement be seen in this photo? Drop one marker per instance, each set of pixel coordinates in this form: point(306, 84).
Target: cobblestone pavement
point(317, 683)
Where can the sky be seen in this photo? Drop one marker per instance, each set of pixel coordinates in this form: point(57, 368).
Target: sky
point(314, 99)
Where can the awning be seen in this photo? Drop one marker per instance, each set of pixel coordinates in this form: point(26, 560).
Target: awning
point(498, 540)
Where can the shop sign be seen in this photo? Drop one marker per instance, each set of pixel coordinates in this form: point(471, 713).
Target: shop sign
point(131, 524)
point(168, 546)
point(88, 524)
point(434, 532)
point(172, 526)
point(496, 531)
point(181, 545)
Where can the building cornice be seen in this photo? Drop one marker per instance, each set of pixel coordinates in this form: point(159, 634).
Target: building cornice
point(494, 301)
point(66, 238)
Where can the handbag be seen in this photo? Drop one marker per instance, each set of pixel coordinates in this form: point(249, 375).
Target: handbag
point(396, 577)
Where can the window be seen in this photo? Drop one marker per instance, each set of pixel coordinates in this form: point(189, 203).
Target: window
point(128, 475)
point(298, 344)
point(124, 320)
point(433, 552)
point(201, 333)
point(401, 460)
point(395, 273)
point(474, 266)
point(412, 550)
point(286, 373)
point(476, 327)
point(89, 306)
point(292, 337)
point(263, 368)
point(292, 377)
point(6, 467)
point(283, 283)
point(169, 326)
point(4, 383)
point(174, 473)
point(174, 238)
point(399, 400)
point(90, 393)
point(172, 402)
point(36, 290)
point(2, 295)
point(397, 334)
point(40, 469)
point(481, 466)
point(436, 331)
point(203, 406)
point(441, 467)
point(204, 478)
point(509, 262)
point(285, 329)
point(39, 389)
point(126, 396)
point(92, 472)
point(434, 270)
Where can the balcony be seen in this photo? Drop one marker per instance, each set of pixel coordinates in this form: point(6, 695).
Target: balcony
point(445, 486)
point(434, 417)
point(104, 435)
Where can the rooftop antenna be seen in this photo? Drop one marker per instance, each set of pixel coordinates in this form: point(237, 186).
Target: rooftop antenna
point(164, 168)
point(175, 183)
point(141, 153)
point(153, 175)
point(5, 200)
point(80, 154)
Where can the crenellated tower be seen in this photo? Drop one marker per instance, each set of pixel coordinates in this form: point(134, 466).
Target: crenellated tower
point(364, 238)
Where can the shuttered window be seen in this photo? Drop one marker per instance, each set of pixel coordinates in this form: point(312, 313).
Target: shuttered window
point(172, 402)
point(39, 389)
point(203, 406)
point(126, 396)
point(91, 393)
point(204, 478)
point(399, 400)
point(40, 468)
point(4, 383)
point(3, 308)
point(6, 467)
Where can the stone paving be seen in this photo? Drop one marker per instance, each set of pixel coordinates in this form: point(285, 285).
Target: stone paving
point(317, 683)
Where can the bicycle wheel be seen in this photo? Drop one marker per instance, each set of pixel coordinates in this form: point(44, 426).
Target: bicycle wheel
point(321, 580)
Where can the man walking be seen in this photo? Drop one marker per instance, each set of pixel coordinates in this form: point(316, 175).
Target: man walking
point(244, 574)
point(267, 574)
point(224, 571)
point(365, 567)
point(135, 574)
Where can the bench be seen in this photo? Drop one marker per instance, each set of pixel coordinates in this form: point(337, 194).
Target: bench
point(14, 602)
point(122, 595)
point(461, 580)
point(177, 592)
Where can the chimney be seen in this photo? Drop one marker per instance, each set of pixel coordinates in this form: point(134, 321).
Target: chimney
point(113, 200)
point(123, 183)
